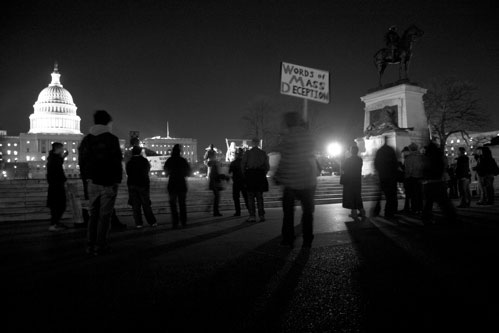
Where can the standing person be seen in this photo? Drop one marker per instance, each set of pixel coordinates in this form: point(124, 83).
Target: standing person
point(255, 165)
point(215, 184)
point(56, 196)
point(413, 173)
point(297, 172)
point(100, 161)
point(238, 184)
point(435, 188)
point(209, 156)
point(386, 165)
point(351, 180)
point(137, 170)
point(177, 168)
point(401, 178)
point(486, 170)
point(463, 176)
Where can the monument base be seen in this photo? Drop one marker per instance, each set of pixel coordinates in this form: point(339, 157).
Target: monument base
point(397, 139)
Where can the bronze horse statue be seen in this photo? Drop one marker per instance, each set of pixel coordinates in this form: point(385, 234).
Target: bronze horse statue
point(403, 53)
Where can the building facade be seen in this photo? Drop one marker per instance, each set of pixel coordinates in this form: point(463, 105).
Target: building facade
point(475, 139)
point(163, 146)
point(54, 119)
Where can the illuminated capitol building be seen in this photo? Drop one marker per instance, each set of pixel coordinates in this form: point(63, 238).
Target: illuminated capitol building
point(54, 119)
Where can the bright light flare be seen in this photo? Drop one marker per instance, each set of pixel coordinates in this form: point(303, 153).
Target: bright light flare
point(334, 149)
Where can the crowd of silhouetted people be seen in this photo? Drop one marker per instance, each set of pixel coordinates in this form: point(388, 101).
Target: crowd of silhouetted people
point(426, 176)
point(101, 168)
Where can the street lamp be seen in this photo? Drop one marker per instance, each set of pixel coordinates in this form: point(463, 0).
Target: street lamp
point(335, 149)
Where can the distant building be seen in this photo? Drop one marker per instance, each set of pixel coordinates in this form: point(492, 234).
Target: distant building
point(54, 119)
point(475, 139)
point(162, 145)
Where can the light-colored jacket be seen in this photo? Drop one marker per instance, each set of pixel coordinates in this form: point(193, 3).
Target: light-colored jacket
point(298, 168)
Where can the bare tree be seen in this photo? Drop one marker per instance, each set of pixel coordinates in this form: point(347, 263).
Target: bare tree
point(261, 121)
point(451, 107)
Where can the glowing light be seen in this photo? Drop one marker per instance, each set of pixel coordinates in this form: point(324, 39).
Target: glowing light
point(334, 149)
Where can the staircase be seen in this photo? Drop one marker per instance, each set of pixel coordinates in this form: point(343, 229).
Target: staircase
point(25, 200)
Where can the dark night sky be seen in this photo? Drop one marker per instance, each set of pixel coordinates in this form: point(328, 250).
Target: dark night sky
point(199, 64)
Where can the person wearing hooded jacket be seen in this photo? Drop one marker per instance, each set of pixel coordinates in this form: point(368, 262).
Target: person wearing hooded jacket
point(100, 160)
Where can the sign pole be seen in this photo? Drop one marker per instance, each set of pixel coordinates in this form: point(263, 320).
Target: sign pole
point(305, 110)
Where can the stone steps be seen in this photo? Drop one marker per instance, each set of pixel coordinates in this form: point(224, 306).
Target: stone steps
point(26, 199)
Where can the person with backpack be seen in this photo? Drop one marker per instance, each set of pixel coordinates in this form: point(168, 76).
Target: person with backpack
point(100, 164)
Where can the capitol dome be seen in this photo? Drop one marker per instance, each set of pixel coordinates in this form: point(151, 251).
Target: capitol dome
point(55, 111)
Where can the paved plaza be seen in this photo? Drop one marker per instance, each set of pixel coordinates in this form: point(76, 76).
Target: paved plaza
point(233, 276)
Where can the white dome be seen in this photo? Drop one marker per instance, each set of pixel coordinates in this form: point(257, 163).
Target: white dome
point(55, 94)
point(55, 111)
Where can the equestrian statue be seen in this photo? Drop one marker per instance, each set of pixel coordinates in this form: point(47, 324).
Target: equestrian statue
point(398, 50)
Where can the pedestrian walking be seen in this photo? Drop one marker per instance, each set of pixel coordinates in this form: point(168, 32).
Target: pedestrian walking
point(100, 161)
point(137, 170)
point(238, 183)
point(56, 179)
point(351, 179)
point(463, 176)
point(435, 187)
point(297, 172)
point(177, 168)
point(386, 165)
point(255, 164)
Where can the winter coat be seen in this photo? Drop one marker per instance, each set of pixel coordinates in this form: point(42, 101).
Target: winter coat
point(100, 157)
point(56, 196)
point(177, 168)
point(137, 170)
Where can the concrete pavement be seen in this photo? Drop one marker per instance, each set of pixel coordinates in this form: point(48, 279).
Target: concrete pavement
point(226, 274)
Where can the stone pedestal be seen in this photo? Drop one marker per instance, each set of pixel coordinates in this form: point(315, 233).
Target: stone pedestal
point(402, 106)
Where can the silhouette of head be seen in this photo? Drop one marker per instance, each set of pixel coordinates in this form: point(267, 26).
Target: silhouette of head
point(176, 150)
point(354, 150)
point(57, 147)
point(101, 117)
point(134, 141)
point(136, 150)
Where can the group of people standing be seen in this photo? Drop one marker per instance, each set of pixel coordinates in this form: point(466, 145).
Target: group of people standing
point(423, 172)
point(100, 160)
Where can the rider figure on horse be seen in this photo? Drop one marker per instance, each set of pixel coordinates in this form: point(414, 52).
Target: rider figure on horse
point(392, 40)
